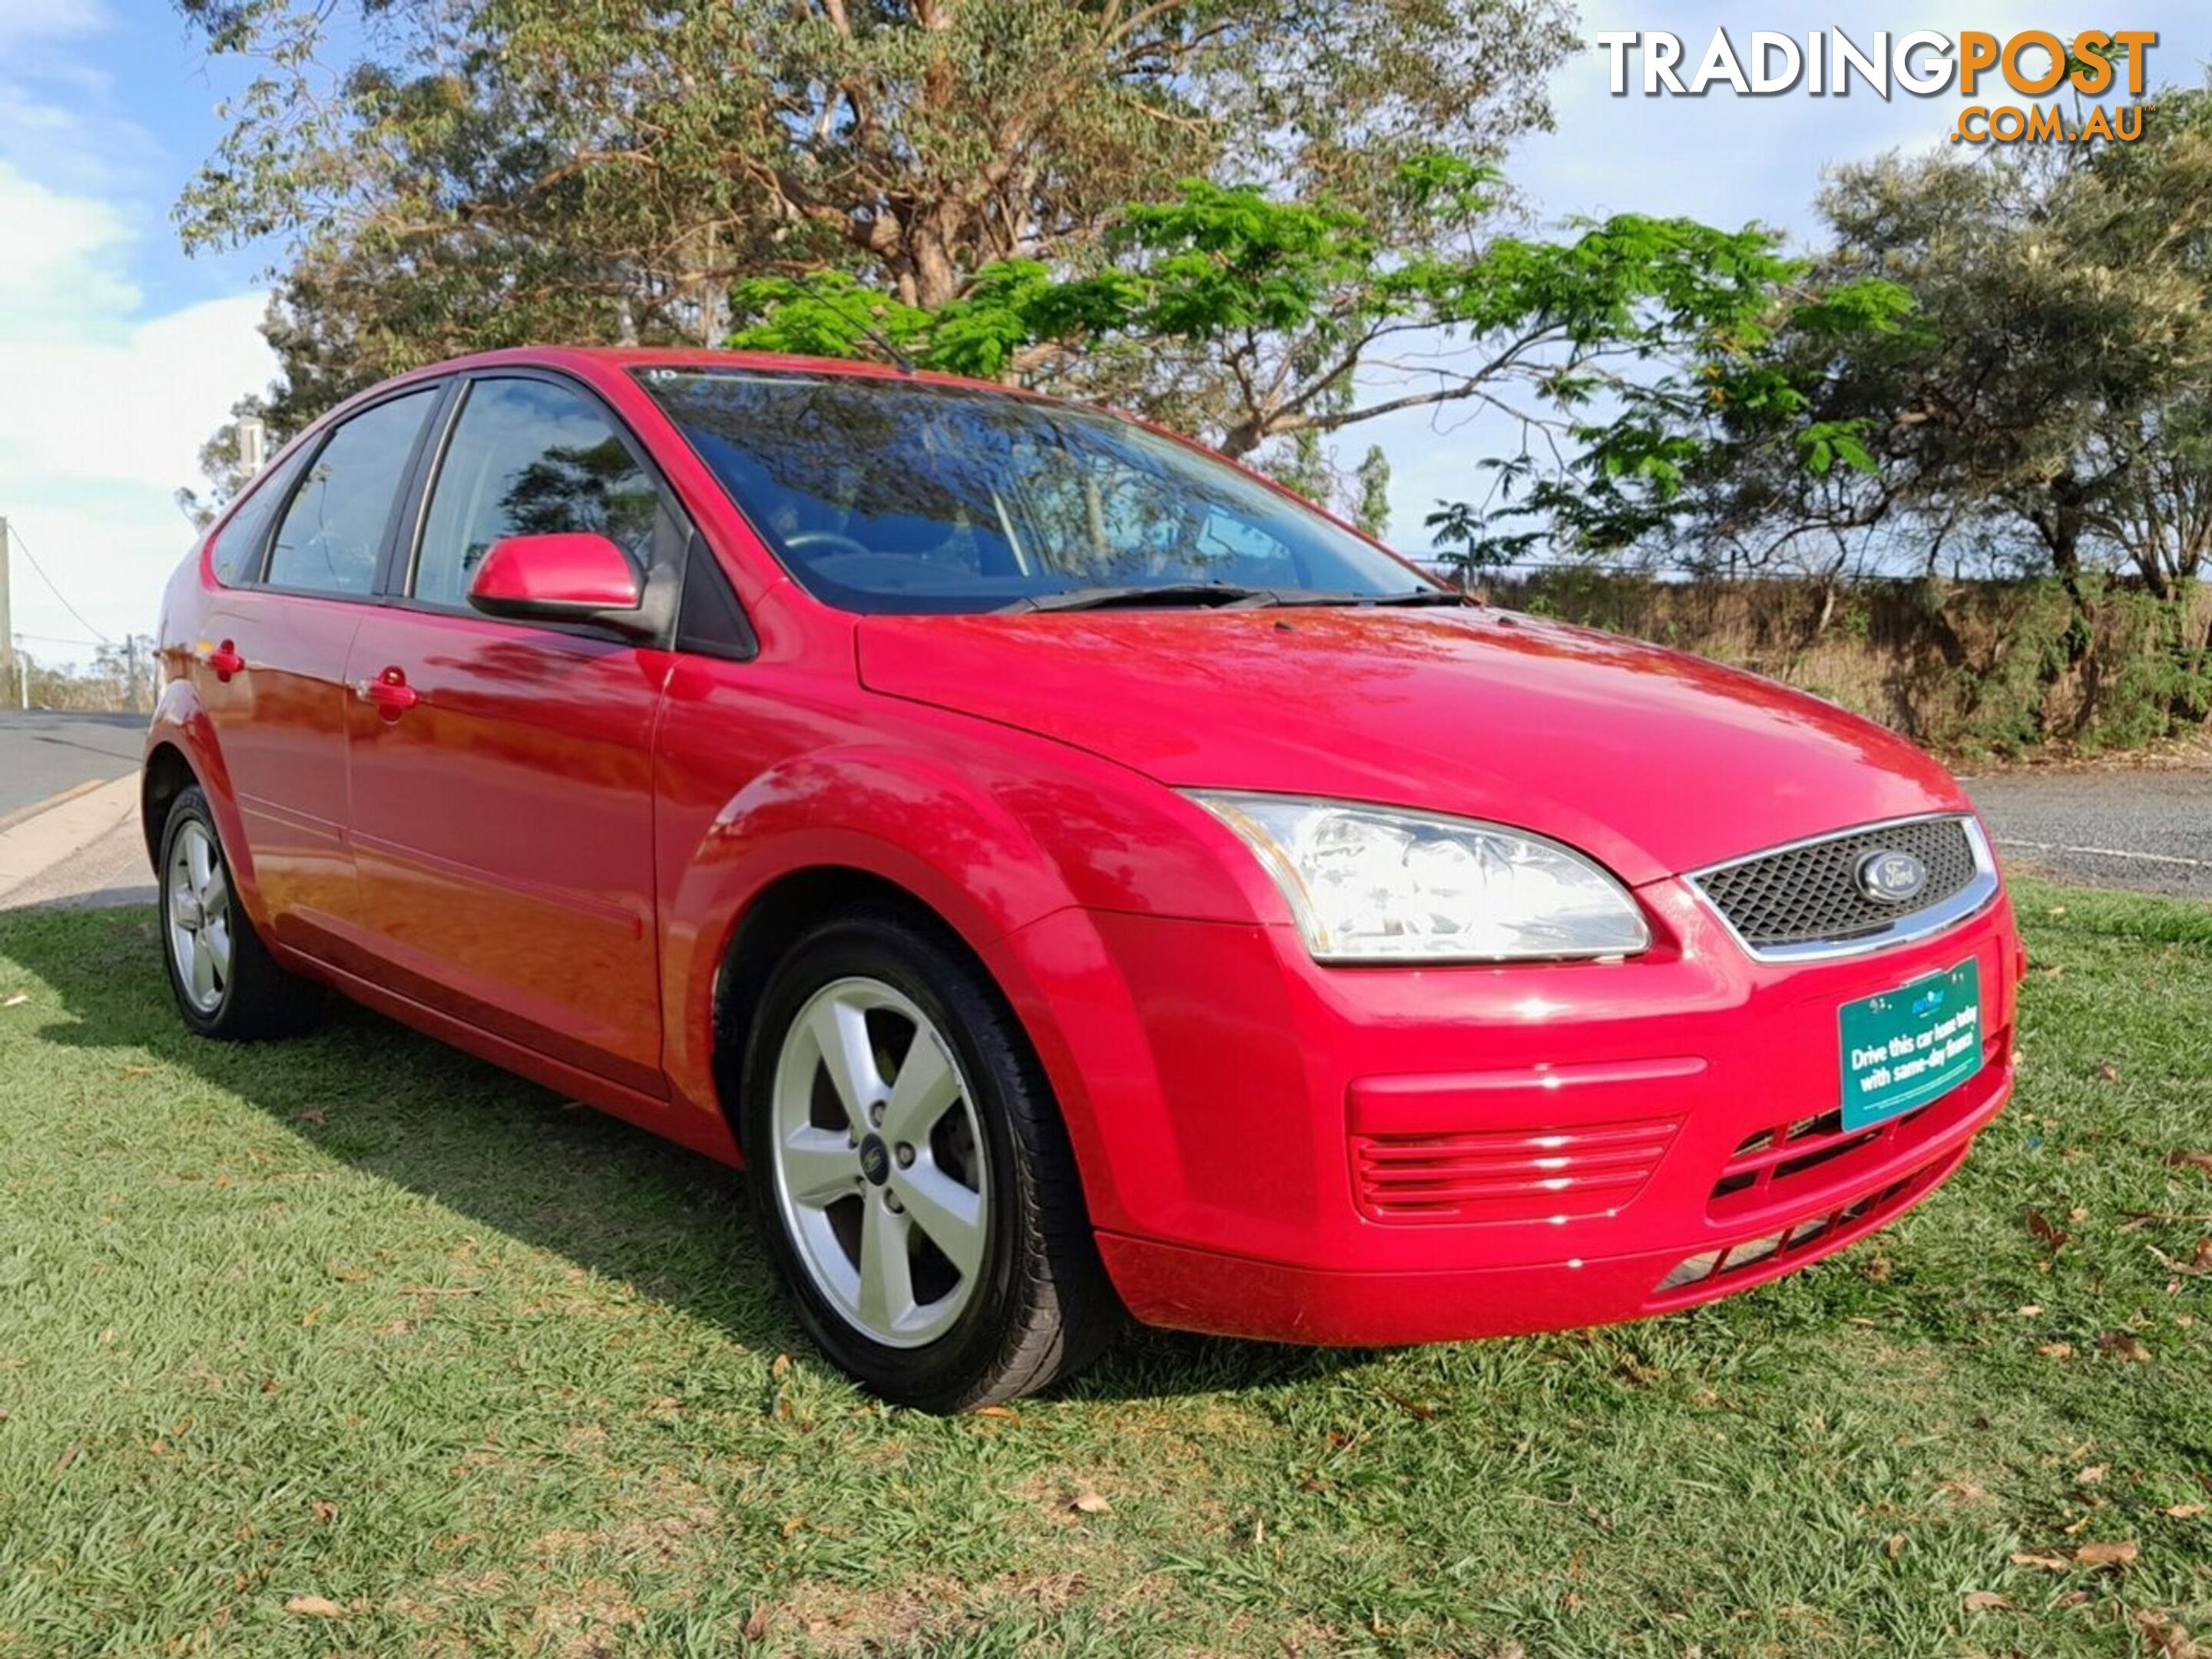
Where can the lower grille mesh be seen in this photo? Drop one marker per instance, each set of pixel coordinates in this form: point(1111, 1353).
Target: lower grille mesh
point(1791, 1241)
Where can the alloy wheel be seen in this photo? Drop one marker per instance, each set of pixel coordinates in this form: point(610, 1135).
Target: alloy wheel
point(197, 906)
point(879, 1163)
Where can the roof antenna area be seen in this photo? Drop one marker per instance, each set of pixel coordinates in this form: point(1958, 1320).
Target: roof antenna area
point(859, 316)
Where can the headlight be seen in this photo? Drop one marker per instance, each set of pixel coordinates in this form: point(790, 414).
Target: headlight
point(1368, 883)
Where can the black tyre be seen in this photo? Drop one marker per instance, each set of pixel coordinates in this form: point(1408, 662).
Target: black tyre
point(912, 1175)
point(226, 985)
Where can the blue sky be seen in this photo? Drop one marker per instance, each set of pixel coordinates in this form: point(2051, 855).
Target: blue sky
point(119, 355)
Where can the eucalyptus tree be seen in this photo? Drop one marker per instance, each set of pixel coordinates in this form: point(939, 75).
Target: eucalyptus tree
point(448, 175)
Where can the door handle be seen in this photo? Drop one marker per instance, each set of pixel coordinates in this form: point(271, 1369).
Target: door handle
point(223, 660)
point(389, 691)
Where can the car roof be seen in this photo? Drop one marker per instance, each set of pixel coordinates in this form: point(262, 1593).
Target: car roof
point(628, 358)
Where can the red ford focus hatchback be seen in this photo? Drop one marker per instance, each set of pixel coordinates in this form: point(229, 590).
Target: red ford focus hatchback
point(1068, 872)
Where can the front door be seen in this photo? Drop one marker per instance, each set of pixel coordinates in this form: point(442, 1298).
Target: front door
point(502, 773)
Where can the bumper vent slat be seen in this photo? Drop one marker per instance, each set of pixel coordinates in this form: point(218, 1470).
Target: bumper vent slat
point(1512, 1175)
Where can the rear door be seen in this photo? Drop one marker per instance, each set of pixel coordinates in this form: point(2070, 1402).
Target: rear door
point(299, 562)
point(503, 820)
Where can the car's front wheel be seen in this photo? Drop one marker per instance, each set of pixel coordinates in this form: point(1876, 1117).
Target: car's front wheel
point(226, 984)
point(912, 1175)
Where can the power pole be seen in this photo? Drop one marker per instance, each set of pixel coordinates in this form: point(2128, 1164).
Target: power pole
point(6, 629)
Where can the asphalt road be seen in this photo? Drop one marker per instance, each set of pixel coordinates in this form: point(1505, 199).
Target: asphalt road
point(42, 755)
point(2147, 828)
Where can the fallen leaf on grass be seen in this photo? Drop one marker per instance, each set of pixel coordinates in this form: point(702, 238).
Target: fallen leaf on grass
point(2179, 1160)
point(2029, 1310)
point(1006, 1413)
point(2122, 1345)
point(2051, 1236)
point(2045, 1563)
point(2106, 1555)
point(314, 1606)
point(756, 1626)
point(312, 1115)
point(1412, 1408)
point(2091, 1476)
point(2202, 1259)
point(1983, 1601)
point(2055, 1350)
point(1088, 1502)
point(2163, 1639)
point(17, 1000)
point(2108, 1073)
point(2185, 1511)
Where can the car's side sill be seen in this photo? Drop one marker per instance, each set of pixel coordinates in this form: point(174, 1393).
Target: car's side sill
point(701, 1130)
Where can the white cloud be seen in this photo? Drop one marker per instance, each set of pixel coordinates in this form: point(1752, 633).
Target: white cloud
point(49, 20)
point(103, 408)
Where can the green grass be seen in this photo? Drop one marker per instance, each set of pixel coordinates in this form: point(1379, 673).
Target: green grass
point(356, 1318)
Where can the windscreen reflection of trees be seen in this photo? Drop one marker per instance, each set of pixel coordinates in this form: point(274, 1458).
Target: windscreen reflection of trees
point(919, 490)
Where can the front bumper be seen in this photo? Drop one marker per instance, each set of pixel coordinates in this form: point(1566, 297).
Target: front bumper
point(1396, 1155)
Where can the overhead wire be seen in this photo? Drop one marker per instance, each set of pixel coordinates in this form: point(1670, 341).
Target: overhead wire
point(31, 559)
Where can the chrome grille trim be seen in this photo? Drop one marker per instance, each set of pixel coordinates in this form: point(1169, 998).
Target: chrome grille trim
point(1979, 891)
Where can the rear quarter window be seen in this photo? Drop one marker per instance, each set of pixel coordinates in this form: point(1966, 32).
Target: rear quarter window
point(239, 544)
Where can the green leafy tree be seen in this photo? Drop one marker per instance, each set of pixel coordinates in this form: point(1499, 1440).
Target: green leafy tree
point(451, 174)
point(2011, 354)
point(1247, 318)
point(1371, 511)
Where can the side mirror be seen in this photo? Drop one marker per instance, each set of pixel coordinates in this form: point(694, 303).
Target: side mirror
point(572, 577)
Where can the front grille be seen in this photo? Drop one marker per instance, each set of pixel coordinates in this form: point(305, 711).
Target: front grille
point(1811, 895)
point(1507, 1175)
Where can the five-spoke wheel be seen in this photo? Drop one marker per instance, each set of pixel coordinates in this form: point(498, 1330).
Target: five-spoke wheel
point(879, 1163)
point(197, 901)
point(911, 1171)
point(227, 983)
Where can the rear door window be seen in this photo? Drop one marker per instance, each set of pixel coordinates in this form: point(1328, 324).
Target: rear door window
point(333, 533)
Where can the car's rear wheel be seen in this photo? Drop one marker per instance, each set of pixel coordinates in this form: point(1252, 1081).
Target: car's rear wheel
point(225, 982)
point(912, 1175)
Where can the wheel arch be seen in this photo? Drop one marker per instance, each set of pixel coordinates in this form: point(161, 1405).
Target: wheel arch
point(774, 920)
point(180, 751)
point(165, 774)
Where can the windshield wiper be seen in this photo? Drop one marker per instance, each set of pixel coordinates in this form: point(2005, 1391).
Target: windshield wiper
point(1216, 595)
point(1418, 596)
point(1423, 596)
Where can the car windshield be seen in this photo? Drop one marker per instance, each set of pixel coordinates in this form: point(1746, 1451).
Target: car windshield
point(904, 497)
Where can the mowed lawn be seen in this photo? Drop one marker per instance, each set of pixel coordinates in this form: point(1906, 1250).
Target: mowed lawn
point(354, 1346)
